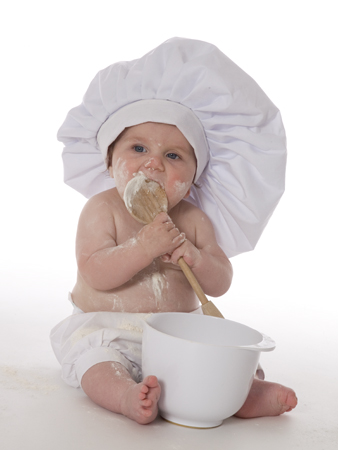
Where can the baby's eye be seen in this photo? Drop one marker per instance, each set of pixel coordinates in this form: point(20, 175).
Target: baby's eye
point(139, 148)
point(172, 156)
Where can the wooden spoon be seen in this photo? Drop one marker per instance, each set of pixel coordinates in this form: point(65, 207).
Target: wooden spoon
point(144, 199)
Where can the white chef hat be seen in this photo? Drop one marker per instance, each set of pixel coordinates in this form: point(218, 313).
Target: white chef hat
point(236, 132)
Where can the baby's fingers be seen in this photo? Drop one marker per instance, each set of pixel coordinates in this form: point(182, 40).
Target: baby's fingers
point(176, 243)
point(163, 217)
point(179, 239)
point(189, 252)
point(166, 257)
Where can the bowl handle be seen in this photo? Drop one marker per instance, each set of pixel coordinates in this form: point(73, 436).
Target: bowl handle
point(266, 345)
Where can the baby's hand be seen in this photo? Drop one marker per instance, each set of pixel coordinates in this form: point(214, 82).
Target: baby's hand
point(160, 237)
point(187, 251)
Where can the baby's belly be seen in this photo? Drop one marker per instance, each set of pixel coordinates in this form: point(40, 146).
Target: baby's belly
point(155, 291)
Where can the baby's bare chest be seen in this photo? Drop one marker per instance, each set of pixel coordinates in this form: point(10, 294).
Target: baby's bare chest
point(160, 287)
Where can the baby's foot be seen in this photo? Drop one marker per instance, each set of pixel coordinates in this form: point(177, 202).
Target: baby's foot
point(140, 401)
point(267, 399)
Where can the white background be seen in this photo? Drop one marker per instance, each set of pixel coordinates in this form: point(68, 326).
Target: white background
point(50, 53)
point(286, 287)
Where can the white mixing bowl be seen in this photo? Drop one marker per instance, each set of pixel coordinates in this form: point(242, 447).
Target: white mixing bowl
point(205, 365)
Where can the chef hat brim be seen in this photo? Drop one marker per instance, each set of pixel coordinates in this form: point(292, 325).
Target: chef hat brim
point(160, 111)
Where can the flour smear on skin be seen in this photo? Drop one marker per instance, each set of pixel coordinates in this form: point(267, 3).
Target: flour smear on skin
point(120, 173)
point(181, 188)
point(158, 283)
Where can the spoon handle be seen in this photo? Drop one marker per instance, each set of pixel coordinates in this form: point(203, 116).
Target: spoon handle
point(208, 307)
point(192, 280)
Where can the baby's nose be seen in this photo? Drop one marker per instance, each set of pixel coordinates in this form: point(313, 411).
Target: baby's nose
point(154, 163)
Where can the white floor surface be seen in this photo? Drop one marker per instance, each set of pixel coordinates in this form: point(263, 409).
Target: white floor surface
point(38, 411)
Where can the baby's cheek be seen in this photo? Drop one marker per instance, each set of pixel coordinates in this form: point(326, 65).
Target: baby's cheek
point(177, 190)
point(181, 188)
point(121, 174)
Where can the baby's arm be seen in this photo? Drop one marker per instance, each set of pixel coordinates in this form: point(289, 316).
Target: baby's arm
point(207, 260)
point(102, 263)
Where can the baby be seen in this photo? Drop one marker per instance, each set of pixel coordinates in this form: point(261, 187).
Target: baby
point(127, 270)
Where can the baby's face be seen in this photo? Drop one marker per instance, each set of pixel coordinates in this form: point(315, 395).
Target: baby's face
point(161, 152)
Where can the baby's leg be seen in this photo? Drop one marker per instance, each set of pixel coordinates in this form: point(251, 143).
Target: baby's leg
point(111, 386)
point(267, 399)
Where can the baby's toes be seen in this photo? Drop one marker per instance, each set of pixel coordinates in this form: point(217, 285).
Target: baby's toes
point(142, 396)
point(147, 403)
point(143, 392)
point(147, 412)
point(144, 388)
point(151, 381)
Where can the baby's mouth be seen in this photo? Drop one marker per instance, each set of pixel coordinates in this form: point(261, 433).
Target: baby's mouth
point(142, 174)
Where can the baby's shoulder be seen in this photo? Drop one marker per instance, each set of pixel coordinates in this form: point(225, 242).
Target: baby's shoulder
point(104, 203)
point(103, 199)
point(188, 209)
point(189, 213)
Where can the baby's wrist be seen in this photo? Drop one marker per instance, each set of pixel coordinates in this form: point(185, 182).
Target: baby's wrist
point(196, 259)
point(146, 250)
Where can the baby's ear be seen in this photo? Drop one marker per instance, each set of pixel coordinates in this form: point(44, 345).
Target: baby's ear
point(187, 194)
point(111, 173)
